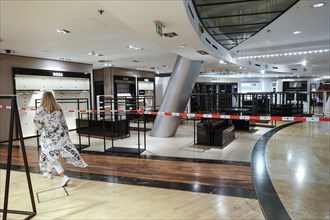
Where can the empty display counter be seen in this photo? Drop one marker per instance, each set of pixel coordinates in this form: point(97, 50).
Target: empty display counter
point(215, 132)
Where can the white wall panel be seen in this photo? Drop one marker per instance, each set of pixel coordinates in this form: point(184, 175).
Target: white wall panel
point(26, 99)
point(24, 82)
point(30, 88)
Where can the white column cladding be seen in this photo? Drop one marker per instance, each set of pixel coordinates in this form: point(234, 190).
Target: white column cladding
point(176, 96)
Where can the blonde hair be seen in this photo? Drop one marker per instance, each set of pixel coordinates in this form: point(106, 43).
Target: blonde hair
point(49, 103)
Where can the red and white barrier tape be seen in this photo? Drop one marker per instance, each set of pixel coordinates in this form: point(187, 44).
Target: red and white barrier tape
point(195, 115)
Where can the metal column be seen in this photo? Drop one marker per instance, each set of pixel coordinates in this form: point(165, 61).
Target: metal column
point(176, 96)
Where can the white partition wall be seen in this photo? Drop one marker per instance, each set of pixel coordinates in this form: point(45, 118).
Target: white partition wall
point(71, 91)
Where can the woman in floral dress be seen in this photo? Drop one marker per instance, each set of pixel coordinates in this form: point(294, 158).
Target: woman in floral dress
point(54, 139)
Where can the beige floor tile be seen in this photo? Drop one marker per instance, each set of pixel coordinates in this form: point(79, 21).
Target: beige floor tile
point(100, 200)
point(298, 162)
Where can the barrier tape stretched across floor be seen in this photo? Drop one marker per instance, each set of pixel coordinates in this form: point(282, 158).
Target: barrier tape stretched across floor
point(195, 115)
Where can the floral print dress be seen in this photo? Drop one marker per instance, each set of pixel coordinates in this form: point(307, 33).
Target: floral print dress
point(55, 141)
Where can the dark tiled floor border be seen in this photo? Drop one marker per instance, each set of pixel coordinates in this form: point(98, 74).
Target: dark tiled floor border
point(242, 193)
point(270, 202)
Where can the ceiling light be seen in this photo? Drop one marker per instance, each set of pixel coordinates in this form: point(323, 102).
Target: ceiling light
point(134, 47)
point(183, 46)
point(108, 64)
point(303, 63)
point(63, 31)
point(64, 59)
point(262, 71)
point(137, 61)
point(222, 62)
point(318, 5)
point(95, 54)
point(296, 32)
point(284, 54)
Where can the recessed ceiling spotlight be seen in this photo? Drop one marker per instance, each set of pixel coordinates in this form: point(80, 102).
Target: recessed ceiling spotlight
point(222, 62)
point(183, 46)
point(137, 61)
point(108, 64)
point(134, 47)
point(165, 66)
point(95, 54)
point(63, 31)
point(64, 59)
point(262, 71)
point(318, 5)
point(304, 63)
point(296, 32)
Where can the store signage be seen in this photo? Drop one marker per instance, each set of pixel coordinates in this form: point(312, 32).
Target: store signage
point(215, 79)
point(57, 74)
point(159, 28)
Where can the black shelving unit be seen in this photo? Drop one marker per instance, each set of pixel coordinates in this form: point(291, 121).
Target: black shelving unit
point(212, 97)
point(125, 91)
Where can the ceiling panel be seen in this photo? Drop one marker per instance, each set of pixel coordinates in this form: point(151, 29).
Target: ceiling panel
point(239, 17)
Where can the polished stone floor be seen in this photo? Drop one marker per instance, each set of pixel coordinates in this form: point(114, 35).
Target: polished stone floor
point(182, 145)
point(298, 163)
point(296, 158)
point(87, 199)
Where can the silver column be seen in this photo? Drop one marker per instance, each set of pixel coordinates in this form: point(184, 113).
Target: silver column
point(176, 96)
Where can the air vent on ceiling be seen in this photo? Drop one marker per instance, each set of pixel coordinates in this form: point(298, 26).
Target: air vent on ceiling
point(202, 52)
point(170, 34)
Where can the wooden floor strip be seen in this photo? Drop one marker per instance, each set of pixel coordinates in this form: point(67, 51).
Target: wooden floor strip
point(159, 171)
